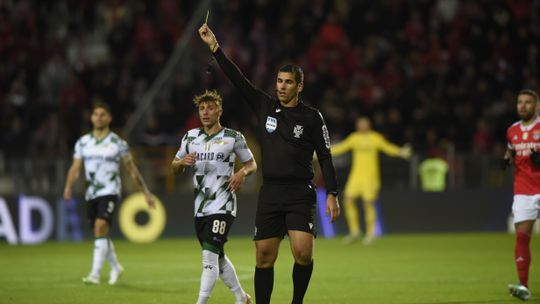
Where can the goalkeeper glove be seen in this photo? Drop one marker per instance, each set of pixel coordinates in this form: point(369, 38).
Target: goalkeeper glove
point(405, 151)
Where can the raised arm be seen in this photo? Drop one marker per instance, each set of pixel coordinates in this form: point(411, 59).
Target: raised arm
point(138, 179)
point(72, 176)
point(246, 88)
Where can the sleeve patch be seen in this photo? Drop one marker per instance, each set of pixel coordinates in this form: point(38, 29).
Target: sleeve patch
point(326, 136)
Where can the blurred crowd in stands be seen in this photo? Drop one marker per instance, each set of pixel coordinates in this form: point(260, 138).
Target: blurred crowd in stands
point(428, 72)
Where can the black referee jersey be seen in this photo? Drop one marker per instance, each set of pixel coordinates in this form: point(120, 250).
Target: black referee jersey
point(288, 135)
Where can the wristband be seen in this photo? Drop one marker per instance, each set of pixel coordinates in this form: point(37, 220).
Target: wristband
point(334, 193)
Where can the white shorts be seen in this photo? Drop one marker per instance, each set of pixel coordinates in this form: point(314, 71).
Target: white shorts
point(526, 208)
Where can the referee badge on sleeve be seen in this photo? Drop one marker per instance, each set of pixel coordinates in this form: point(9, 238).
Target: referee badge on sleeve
point(271, 124)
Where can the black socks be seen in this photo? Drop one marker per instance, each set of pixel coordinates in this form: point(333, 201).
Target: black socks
point(264, 283)
point(301, 277)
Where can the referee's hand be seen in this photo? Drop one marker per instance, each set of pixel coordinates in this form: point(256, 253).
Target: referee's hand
point(208, 37)
point(332, 207)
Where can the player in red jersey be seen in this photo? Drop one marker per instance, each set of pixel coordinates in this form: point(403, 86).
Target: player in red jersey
point(523, 152)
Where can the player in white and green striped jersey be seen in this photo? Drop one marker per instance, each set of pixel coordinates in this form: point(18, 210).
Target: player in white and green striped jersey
point(211, 151)
point(100, 152)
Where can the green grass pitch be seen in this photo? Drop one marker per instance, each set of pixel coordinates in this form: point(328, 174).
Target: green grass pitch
point(408, 268)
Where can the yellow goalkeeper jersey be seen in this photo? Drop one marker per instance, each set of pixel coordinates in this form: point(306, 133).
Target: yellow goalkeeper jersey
point(364, 176)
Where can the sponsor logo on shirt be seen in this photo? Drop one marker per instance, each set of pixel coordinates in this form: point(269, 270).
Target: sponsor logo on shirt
point(220, 156)
point(271, 124)
point(205, 156)
point(524, 149)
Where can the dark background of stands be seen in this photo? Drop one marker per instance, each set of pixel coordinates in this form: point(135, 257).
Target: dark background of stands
point(441, 75)
point(427, 72)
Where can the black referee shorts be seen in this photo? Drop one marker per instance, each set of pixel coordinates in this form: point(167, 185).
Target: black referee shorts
point(285, 207)
point(102, 207)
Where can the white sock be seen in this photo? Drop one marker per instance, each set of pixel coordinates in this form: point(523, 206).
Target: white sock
point(111, 256)
point(227, 273)
point(209, 276)
point(100, 251)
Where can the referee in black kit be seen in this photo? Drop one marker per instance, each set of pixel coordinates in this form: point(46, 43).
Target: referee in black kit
point(289, 132)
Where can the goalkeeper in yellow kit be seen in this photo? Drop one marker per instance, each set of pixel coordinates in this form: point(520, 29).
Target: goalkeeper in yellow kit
point(364, 178)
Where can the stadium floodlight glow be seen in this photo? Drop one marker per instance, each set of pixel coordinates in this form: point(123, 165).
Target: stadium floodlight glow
point(132, 230)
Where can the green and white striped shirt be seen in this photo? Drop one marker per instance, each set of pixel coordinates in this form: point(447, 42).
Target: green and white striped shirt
point(214, 165)
point(101, 163)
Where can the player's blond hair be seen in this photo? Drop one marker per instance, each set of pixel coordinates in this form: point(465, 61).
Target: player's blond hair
point(212, 95)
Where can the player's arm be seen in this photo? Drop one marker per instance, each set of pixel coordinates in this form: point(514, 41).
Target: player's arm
point(391, 149)
point(508, 158)
point(138, 179)
point(183, 158)
point(405, 151)
point(343, 146)
point(72, 176)
point(322, 148)
point(237, 180)
point(535, 156)
point(252, 94)
point(180, 163)
point(245, 155)
point(510, 153)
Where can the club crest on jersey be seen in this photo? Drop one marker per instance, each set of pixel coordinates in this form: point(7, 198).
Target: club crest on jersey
point(271, 124)
point(298, 130)
point(536, 135)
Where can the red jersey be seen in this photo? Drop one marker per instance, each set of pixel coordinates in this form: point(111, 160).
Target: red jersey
point(521, 139)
